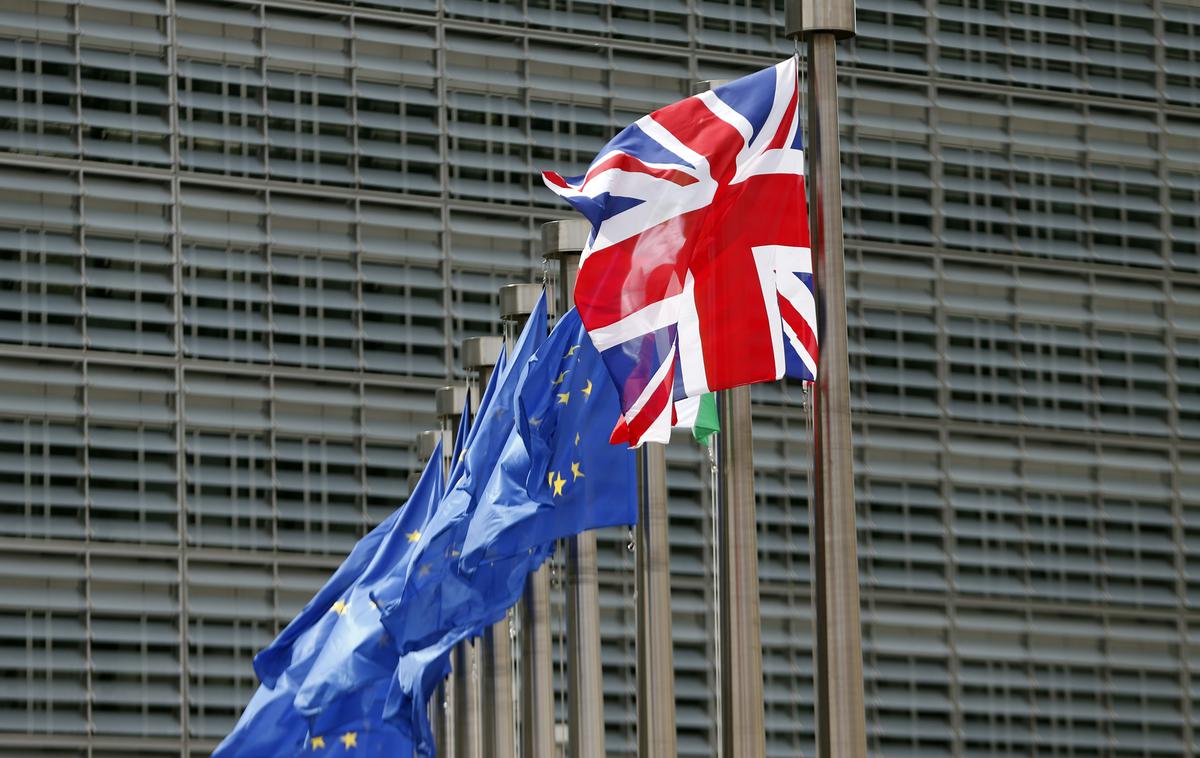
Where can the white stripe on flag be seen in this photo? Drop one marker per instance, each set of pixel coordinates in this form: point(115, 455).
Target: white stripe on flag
point(727, 114)
point(691, 349)
point(771, 162)
point(686, 411)
point(660, 428)
point(653, 317)
point(809, 360)
point(764, 261)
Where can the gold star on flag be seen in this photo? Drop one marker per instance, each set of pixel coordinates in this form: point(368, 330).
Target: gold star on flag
point(425, 569)
point(577, 439)
point(563, 397)
point(318, 743)
point(414, 535)
point(588, 389)
point(550, 478)
point(340, 607)
point(560, 378)
point(535, 422)
point(558, 484)
point(349, 740)
point(576, 472)
point(462, 454)
point(572, 350)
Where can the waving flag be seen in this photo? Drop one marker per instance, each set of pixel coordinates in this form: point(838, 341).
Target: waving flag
point(573, 479)
point(697, 275)
point(326, 674)
point(433, 595)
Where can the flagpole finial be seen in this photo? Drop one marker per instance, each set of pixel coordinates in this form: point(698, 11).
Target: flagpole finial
point(517, 301)
point(566, 236)
point(708, 84)
point(480, 353)
point(803, 18)
point(427, 443)
point(450, 401)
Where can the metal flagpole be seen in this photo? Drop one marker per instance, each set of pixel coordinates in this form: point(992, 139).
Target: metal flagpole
point(740, 652)
point(739, 643)
point(478, 354)
point(841, 719)
point(655, 659)
point(450, 403)
point(517, 301)
point(536, 683)
point(442, 711)
point(537, 673)
point(564, 241)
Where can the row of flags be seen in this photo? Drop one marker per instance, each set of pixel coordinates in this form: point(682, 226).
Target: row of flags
point(356, 668)
point(696, 277)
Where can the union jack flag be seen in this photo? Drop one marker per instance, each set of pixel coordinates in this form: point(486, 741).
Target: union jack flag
point(698, 274)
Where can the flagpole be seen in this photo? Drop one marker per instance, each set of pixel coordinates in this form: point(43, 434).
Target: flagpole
point(478, 354)
point(442, 710)
point(655, 658)
point(535, 663)
point(564, 241)
point(450, 403)
point(517, 301)
point(841, 718)
point(739, 643)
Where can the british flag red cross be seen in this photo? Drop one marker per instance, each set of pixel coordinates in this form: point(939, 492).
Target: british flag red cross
point(698, 274)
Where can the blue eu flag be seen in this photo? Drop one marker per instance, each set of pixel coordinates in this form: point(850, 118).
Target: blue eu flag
point(574, 480)
point(271, 727)
point(433, 597)
point(357, 650)
point(331, 666)
point(358, 653)
point(352, 725)
point(270, 724)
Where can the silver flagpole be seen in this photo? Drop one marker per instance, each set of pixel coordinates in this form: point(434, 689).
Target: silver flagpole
point(441, 709)
point(478, 354)
point(499, 719)
point(564, 241)
point(450, 403)
point(655, 658)
point(739, 644)
point(536, 683)
point(537, 673)
point(841, 718)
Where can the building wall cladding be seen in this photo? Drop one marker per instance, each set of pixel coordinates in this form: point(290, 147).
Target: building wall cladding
point(240, 243)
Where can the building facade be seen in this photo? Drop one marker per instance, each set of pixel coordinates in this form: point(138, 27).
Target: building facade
point(241, 242)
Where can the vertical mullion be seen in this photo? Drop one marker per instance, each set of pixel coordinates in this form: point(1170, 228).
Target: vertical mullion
point(181, 498)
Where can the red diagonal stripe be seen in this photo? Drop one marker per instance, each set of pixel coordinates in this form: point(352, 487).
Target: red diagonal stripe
point(627, 162)
point(785, 126)
point(653, 408)
point(799, 324)
point(555, 179)
point(696, 126)
point(626, 277)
